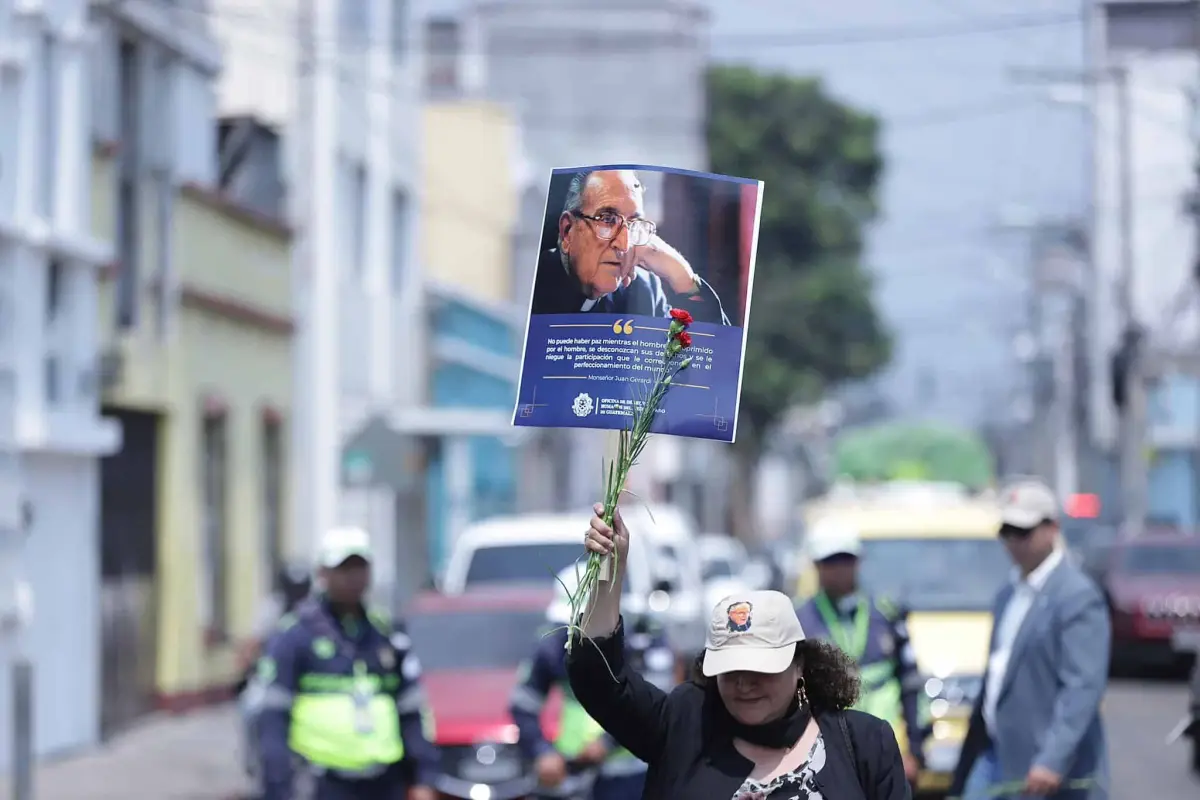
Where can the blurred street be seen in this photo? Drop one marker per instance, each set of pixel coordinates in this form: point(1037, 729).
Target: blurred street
point(293, 290)
point(194, 757)
point(187, 757)
point(1139, 715)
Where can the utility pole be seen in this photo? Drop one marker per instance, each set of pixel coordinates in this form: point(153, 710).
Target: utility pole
point(1039, 431)
point(1058, 268)
point(1133, 433)
point(15, 596)
point(1062, 267)
point(317, 431)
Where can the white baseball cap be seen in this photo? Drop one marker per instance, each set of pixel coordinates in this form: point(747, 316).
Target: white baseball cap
point(752, 632)
point(339, 544)
point(830, 537)
point(1027, 504)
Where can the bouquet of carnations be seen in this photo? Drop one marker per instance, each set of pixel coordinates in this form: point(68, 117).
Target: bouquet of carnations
point(631, 442)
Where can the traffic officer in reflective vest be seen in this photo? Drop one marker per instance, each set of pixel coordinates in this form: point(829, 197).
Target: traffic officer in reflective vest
point(872, 631)
point(580, 739)
point(342, 692)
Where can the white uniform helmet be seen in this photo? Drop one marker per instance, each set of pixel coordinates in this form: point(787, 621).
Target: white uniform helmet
point(831, 537)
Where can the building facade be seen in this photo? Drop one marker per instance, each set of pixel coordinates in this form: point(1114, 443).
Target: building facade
point(209, 413)
point(196, 320)
point(336, 80)
point(517, 54)
point(474, 176)
point(49, 365)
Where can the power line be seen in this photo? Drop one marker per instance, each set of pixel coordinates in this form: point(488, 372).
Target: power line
point(519, 38)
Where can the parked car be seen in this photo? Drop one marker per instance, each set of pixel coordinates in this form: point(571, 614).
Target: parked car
point(1152, 583)
point(680, 600)
point(470, 647)
point(1193, 727)
point(1085, 538)
point(533, 549)
point(729, 568)
point(721, 556)
point(1188, 729)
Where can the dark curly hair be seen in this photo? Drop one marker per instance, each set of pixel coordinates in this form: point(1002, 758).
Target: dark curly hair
point(831, 680)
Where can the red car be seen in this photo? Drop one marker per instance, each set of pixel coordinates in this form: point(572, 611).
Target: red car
point(1153, 587)
point(470, 648)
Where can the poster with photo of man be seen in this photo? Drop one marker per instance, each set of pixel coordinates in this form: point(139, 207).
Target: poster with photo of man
point(623, 246)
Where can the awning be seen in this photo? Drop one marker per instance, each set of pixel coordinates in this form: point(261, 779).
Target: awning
point(379, 455)
point(387, 450)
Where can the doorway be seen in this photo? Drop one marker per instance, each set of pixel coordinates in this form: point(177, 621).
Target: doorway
point(128, 585)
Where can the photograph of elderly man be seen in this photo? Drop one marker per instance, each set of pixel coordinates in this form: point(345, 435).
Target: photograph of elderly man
point(609, 258)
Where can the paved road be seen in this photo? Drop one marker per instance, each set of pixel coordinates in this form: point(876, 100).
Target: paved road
point(1139, 715)
point(194, 757)
point(188, 757)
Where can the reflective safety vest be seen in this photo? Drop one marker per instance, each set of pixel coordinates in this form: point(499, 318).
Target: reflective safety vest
point(348, 724)
point(881, 694)
point(576, 730)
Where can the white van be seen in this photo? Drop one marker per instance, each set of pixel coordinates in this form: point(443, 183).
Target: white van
point(532, 549)
point(671, 535)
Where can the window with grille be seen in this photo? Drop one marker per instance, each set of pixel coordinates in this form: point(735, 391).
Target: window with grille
point(55, 289)
point(358, 189)
point(130, 103)
point(51, 89)
point(399, 32)
point(272, 489)
point(443, 48)
point(400, 240)
point(215, 523)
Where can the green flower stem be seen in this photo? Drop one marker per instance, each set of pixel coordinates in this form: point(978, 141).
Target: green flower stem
point(631, 442)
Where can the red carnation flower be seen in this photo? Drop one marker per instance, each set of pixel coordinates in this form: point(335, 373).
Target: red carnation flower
point(681, 316)
point(684, 339)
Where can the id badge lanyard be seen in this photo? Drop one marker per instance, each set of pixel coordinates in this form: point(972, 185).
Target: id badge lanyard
point(853, 645)
point(363, 693)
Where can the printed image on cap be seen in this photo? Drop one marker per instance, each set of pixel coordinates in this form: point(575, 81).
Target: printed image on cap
point(752, 632)
point(739, 616)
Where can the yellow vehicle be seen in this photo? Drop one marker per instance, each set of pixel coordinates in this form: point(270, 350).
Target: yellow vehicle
point(934, 549)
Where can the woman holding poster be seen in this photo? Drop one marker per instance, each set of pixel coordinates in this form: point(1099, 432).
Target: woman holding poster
point(764, 719)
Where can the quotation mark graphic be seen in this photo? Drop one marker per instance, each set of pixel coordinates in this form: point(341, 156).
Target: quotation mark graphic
point(623, 326)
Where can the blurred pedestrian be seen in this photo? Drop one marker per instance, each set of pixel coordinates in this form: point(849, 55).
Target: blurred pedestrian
point(580, 740)
point(873, 631)
point(293, 583)
point(764, 718)
point(1036, 729)
point(343, 693)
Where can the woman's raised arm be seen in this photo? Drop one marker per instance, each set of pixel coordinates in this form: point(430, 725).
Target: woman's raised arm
point(630, 708)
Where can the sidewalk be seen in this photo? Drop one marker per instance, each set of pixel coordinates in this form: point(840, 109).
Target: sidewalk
point(186, 757)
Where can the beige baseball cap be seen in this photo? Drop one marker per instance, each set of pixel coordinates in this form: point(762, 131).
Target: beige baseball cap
point(1027, 504)
point(752, 632)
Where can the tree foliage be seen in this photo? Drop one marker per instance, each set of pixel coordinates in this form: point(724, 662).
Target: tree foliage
point(813, 322)
point(914, 452)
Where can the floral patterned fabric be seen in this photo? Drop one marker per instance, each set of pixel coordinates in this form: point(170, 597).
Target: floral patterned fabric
point(800, 784)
